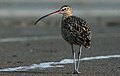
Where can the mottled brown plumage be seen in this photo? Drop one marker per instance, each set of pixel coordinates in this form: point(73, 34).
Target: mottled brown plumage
point(74, 30)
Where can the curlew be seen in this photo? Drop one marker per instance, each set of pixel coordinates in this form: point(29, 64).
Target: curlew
point(74, 30)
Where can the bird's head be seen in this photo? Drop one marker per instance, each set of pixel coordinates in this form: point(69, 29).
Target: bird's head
point(66, 10)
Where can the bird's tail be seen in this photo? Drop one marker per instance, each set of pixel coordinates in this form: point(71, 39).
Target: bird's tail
point(87, 44)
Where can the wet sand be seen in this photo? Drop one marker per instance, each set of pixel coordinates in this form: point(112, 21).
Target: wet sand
point(105, 41)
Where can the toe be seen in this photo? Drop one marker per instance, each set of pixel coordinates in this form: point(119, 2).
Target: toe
point(76, 72)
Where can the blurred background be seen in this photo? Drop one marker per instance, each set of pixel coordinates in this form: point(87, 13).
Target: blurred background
point(99, 9)
point(21, 43)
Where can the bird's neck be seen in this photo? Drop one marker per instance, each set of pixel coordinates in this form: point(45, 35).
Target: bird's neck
point(66, 16)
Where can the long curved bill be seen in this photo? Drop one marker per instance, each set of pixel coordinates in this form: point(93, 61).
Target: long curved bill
point(56, 12)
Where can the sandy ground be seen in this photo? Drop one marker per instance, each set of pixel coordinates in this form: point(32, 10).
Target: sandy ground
point(105, 41)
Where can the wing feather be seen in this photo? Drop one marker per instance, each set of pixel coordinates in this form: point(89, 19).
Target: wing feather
point(79, 30)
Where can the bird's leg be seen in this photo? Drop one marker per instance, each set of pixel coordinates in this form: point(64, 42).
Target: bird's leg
point(79, 56)
point(73, 53)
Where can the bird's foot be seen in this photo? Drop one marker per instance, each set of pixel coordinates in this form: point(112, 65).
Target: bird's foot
point(76, 72)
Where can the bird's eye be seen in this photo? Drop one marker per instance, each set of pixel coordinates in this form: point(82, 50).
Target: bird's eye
point(65, 9)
